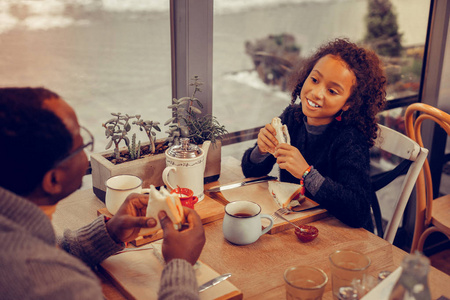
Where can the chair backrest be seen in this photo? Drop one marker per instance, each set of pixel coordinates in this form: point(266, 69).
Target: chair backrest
point(402, 146)
point(424, 185)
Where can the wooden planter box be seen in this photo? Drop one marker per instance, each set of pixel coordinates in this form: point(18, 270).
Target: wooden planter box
point(149, 168)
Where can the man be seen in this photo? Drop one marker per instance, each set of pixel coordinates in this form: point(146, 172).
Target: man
point(43, 162)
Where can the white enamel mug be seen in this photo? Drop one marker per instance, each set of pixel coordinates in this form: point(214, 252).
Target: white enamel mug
point(119, 187)
point(242, 222)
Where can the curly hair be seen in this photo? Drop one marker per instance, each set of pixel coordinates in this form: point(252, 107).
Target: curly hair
point(33, 138)
point(368, 95)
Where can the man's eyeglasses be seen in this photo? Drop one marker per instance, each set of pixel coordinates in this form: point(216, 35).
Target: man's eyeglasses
point(88, 144)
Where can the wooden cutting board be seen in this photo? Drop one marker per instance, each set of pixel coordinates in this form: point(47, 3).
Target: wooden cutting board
point(259, 193)
point(136, 274)
point(208, 209)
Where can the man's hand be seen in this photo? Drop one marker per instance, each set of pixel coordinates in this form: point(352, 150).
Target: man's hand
point(125, 225)
point(186, 244)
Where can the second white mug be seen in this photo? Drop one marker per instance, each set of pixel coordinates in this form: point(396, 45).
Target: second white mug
point(242, 222)
point(119, 187)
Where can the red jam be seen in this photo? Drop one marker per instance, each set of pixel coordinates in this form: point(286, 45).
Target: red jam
point(308, 233)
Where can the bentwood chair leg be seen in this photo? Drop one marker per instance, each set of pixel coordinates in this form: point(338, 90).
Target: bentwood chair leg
point(424, 236)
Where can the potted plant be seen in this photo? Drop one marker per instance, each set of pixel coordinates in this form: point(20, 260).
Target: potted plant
point(143, 160)
point(148, 160)
point(117, 129)
point(188, 122)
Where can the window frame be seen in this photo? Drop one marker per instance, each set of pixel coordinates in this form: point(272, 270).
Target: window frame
point(192, 48)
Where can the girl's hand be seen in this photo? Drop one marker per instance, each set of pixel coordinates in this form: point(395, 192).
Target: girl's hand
point(290, 159)
point(267, 140)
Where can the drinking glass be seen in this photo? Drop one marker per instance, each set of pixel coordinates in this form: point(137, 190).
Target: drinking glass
point(304, 282)
point(346, 266)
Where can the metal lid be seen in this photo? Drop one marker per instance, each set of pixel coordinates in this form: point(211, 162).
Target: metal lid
point(185, 150)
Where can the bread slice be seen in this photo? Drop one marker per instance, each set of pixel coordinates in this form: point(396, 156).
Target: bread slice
point(286, 194)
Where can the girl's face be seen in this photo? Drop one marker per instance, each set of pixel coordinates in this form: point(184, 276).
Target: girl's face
point(326, 90)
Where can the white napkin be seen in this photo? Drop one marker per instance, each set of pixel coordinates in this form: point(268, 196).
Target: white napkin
point(384, 288)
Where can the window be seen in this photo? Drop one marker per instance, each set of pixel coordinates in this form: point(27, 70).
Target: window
point(101, 57)
point(115, 56)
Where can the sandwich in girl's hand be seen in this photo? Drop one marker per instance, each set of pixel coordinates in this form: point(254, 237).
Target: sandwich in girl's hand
point(281, 130)
point(286, 195)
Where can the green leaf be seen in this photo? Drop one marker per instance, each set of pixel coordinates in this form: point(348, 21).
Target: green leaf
point(109, 144)
point(169, 121)
point(184, 131)
point(195, 110)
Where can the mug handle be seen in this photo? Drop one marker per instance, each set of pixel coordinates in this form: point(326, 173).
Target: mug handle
point(194, 200)
point(270, 225)
point(165, 177)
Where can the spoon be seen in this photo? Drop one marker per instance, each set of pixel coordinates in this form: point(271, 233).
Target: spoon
point(278, 214)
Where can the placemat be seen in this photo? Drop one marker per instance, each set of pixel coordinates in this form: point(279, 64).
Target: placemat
point(136, 274)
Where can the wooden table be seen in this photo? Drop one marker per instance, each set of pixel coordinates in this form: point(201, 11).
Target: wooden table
point(257, 269)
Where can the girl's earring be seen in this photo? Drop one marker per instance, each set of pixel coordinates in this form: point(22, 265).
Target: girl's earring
point(339, 118)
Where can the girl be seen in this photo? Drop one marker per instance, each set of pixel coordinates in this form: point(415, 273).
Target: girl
point(341, 88)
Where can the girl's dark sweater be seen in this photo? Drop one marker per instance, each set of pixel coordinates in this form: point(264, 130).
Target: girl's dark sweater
point(340, 155)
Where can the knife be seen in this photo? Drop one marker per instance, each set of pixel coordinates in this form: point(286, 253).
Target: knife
point(213, 282)
point(239, 184)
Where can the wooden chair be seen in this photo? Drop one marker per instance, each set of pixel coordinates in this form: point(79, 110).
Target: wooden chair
point(431, 215)
point(414, 157)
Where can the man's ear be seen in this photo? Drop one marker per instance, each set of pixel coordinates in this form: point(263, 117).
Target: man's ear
point(52, 182)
